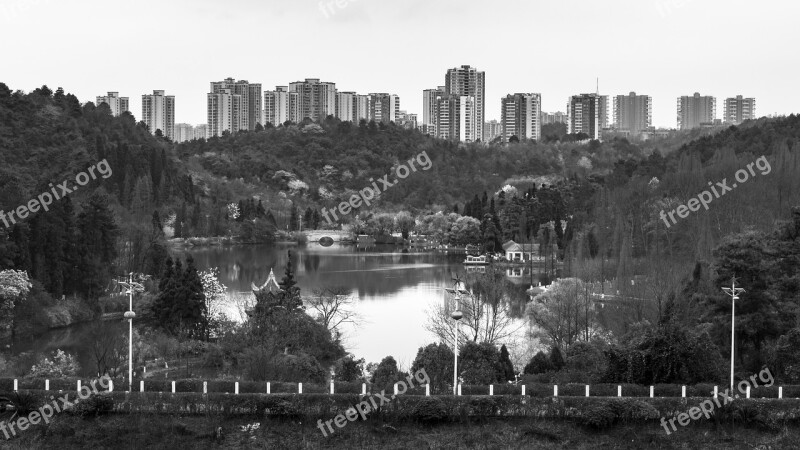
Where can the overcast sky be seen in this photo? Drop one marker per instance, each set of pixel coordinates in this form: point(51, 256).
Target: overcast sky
point(557, 48)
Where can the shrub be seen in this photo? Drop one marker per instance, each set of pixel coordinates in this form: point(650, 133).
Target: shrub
point(94, 406)
point(61, 365)
point(598, 416)
point(429, 410)
point(540, 363)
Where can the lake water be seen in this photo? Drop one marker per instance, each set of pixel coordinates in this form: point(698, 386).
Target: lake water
point(393, 289)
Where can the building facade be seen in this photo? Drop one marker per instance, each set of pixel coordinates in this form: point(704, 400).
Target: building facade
point(491, 130)
point(430, 98)
point(248, 111)
point(345, 106)
point(117, 104)
point(184, 132)
point(384, 107)
point(633, 113)
point(556, 117)
point(276, 106)
point(224, 109)
point(696, 110)
point(584, 113)
point(457, 118)
point(466, 81)
point(158, 112)
point(317, 99)
point(520, 116)
point(738, 109)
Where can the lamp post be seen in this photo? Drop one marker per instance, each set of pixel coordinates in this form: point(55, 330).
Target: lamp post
point(456, 315)
point(130, 315)
point(457, 291)
point(734, 292)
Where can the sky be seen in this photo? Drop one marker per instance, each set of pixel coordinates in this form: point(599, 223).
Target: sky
point(661, 48)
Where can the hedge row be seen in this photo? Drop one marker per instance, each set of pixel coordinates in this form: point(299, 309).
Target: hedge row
point(596, 412)
point(532, 390)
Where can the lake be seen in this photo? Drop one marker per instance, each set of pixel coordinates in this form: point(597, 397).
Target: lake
point(393, 291)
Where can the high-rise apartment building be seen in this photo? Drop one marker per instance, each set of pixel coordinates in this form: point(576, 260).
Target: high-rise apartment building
point(430, 98)
point(556, 117)
point(466, 81)
point(224, 112)
point(633, 113)
point(158, 112)
point(361, 108)
point(200, 131)
point(492, 129)
point(696, 110)
point(457, 118)
point(276, 106)
point(738, 109)
point(345, 106)
point(384, 107)
point(317, 99)
point(117, 104)
point(406, 120)
point(245, 101)
point(603, 118)
point(584, 112)
point(520, 116)
point(184, 132)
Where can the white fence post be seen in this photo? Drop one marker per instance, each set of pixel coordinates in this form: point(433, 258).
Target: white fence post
point(269, 388)
point(523, 389)
point(619, 391)
point(715, 391)
point(555, 390)
point(173, 387)
point(46, 385)
point(79, 386)
point(491, 389)
point(748, 391)
point(141, 385)
point(299, 388)
point(683, 391)
point(16, 385)
point(780, 392)
point(651, 392)
point(205, 387)
point(363, 388)
point(236, 388)
point(587, 390)
point(331, 386)
point(395, 389)
point(427, 390)
point(110, 385)
point(459, 388)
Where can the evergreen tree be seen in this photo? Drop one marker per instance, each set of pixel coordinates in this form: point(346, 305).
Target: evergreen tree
point(97, 244)
point(507, 367)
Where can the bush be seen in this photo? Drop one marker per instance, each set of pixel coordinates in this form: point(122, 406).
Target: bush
point(61, 365)
point(430, 410)
point(540, 363)
point(598, 416)
point(94, 406)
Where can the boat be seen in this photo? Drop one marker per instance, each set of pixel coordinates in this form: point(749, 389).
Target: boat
point(476, 260)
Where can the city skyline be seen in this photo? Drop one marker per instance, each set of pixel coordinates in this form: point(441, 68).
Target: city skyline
point(676, 71)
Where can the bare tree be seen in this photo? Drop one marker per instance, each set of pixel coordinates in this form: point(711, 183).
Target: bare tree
point(108, 349)
point(487, 315)
point(334, 307)
point(565, 313)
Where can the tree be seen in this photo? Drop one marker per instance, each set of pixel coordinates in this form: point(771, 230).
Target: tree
point(349, 369)
point(334, 307)
point(564, 313)
point(479, 363)
point(437, 360)
point(214, 293)
point(14, 288)
point(506, 365)
point(540, 363)
point(62, 365)
point(386, 374)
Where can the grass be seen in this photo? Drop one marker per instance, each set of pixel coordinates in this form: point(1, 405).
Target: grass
point(139, 431)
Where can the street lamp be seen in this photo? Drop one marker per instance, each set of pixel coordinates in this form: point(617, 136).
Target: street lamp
point(130, 315)
point(456, 315)
point(457, 291)
point(734, 292)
